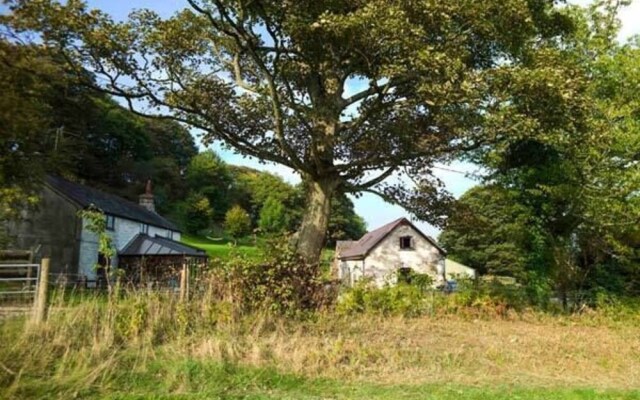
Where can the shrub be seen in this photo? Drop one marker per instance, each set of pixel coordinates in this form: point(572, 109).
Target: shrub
point(282, 283)
point(472, 298)
point(403, 299)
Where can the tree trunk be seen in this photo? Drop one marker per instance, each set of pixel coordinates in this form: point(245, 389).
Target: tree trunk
point(313, 230)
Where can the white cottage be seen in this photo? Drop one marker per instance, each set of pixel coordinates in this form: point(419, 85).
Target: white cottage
point(390, 253)
point(142, 238)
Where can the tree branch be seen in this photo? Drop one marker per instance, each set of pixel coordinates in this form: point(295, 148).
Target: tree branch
point(378, 179)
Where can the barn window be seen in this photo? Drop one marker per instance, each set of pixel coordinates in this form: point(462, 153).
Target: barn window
point(406, 243)
point(111, 222)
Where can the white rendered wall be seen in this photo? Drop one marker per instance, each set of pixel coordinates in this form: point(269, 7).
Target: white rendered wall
point(387, 257)
point(124, 231)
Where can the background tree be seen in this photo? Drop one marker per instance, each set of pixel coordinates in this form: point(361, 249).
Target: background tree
point(197, 213)
point(576, 185)
point(209, 175)
point(273, 218)
point(437, 80)
point(28, 77)
point(344, 223)
point(492, 232)
point(252, 188)
point(237, 222)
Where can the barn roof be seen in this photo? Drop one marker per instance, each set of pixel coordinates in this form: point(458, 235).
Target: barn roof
point(86, 196)
point(363, 246)
point(145, 245)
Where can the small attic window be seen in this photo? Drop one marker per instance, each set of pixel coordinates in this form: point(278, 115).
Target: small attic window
point(406, 243)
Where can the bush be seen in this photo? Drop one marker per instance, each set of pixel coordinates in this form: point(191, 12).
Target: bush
point(282, 283)
point(473, 298)
point(403, 299)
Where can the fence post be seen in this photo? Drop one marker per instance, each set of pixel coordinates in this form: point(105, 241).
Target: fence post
point(183, 282)
point(42, 286)
point(29, 275)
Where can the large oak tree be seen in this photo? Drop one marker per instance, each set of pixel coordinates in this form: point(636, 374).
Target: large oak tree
point(270, 79)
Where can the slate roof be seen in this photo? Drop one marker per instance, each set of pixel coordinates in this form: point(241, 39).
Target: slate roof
point(145, 245)
point(363, 246)
point(85, 196)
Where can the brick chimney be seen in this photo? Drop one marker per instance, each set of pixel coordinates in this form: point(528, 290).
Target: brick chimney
point(146, 199)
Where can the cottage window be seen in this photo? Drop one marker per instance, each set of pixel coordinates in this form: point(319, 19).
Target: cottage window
point(144, 228)
point(406, 243)
point(111, 222)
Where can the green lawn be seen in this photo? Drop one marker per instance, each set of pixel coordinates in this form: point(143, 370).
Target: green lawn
point(222, 248)
point(191, 379)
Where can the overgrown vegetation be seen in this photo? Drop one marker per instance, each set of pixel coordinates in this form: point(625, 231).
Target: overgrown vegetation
point(213, 344)
point(275, 319)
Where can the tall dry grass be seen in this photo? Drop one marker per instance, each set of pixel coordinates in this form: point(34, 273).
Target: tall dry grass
point(92, 341)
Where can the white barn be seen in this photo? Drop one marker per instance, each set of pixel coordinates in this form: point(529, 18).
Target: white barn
point(389, 253)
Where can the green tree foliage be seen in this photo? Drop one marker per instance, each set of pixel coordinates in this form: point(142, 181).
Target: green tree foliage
point(209, 175)
point(52, 123)
point(237, 222)
point(197, 213)
point(575, 185)
point(491, 232)
point(273, 218)
point(344, 223)
point(439, 78)
point(29, 79)
point(252, 188)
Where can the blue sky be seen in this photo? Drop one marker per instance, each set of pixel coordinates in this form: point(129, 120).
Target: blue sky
point(374, 210)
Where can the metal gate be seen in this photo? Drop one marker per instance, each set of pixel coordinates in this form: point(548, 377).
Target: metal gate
point(19, 280)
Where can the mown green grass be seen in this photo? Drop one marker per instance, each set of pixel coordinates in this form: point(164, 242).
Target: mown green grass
point(223, 249)
point(189, 379)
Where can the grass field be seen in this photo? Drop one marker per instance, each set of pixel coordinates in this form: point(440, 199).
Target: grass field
point(206, 380)
point(150, 346)
point(222, 248)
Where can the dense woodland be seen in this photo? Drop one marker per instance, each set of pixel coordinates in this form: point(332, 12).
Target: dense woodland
point(53, 125)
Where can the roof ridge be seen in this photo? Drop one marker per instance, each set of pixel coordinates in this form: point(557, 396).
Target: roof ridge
point(109, 203)
point(371, 239)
